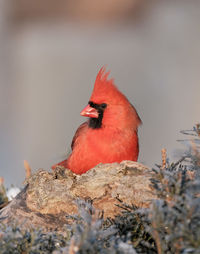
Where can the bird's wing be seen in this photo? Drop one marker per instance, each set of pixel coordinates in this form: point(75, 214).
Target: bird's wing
point(79, 130)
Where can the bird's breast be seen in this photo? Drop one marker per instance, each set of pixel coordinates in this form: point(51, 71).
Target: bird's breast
point(104, 145)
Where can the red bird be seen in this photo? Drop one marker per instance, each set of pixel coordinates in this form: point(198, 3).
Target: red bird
point(110, 134)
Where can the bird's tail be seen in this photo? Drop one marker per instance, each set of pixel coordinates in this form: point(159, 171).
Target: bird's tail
point(62, 164)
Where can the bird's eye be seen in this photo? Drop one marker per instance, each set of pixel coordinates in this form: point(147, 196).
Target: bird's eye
point(91, 104)
point(103, 105)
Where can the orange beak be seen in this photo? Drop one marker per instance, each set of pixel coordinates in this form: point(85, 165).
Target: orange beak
point(89, 112)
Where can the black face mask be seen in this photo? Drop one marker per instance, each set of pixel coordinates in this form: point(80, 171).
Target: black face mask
point(96, 123)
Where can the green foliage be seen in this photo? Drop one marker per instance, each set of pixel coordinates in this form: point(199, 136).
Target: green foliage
point(170, 225)
point(14, 240)
point(175, 217)
point(93, 235)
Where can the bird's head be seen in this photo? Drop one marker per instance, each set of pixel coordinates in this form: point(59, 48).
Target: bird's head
point(108, 106)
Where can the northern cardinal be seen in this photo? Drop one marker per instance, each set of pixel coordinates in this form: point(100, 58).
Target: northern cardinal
point(110, 134)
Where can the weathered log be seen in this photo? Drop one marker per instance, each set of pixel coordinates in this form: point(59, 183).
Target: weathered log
point(48, 197)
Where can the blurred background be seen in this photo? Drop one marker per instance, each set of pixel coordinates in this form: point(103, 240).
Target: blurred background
point(51, 51)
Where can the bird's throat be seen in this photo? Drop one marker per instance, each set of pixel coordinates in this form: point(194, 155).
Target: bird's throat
point(96, 123)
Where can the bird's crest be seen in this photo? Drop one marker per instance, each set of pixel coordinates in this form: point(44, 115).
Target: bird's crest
point(105, 89)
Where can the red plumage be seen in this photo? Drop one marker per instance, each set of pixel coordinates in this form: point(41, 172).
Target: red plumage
point(115, 138)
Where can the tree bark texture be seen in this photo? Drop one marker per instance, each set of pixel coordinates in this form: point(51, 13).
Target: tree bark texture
point(48, 197)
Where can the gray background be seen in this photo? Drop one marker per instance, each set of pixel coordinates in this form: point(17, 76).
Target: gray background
point(49, 61)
